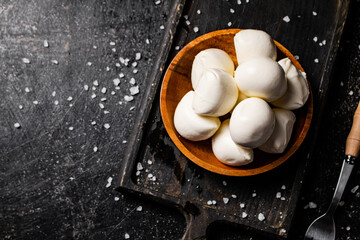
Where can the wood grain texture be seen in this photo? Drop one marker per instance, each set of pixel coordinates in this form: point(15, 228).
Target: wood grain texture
point(177, 83)
point(353, 140)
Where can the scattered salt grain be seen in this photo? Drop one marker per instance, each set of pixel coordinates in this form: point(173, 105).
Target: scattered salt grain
point(283, 187)
point(261, 217)
point(147, 41)
point(137, 56)
point(253, 194)
point(69, 98)
point(124, 141)
point(112, 43)
point(351, 93)
point(224, 183)
point(46, 43)
point(101, 105)
point(35, 102)
point(316, 60)
point(226, 200)
point(116, 81)
point(310, 205)
point(112, 93)
point(103, 99)
point(113, 49)
point(103, 90)
point(17, 125)
point(157, 2)
point(132, 108)
point(238, 2)
point(128, 98)
point(117, 88)
point(71, 128)
point(233, 196)
point(149, 162)
point(282, 198)
point(187, 22)
point(354, 189)
point(278, 195)
point(347, 228)
point(296, 57)
point(117, 65)
point(106, 125)
point(134, 90)
point(213, 202)
point(135, 71)
point(139, 208)
point(229, 24)
point(196, 29)
point(93, 123)
point(53, 94)
point(89, 63)
point(324, 42)
point(86, 87)
point(209, 202)
point(198, 11)
point(109, 180)
point(116, 199)
point(95, 149)
point(21, 106)
point(94, 47)
point(121, 75)
point(232, 10)
point(127, 236)
point(341, 203)
point(107, 69)
point(314, 13)
point(26, 60)
point(106, 112)
point(137, 173)
point(96, 83)
point(242, 205)
point(56, 102)
point(315, 39)
point(244, 214)
point(27, 89)
point(162, 27)
point(134, 64)
point(177, 48)
point(93, 95)
point(132, 81)
point(247, 1)
point(286, 19)
point(56, 62)
point(139, 166)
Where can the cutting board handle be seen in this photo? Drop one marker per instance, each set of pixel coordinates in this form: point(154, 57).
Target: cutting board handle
point(196, 226)
point(353, 139)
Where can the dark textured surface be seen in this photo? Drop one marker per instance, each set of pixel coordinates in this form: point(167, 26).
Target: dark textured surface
point(52, 183)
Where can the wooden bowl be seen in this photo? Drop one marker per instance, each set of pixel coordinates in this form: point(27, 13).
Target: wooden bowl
point(177, 83)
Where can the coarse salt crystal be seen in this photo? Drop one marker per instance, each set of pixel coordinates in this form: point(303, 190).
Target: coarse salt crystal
point(139, 166)
point(134, 90)
point(56, 102)
point(238, 2)
point(107, 69)
point(137, 56)
point(56, 62)
point(71, 128)
point(233, 196)
point(149, 162)
point(112, 43)
point(89, 63)
point(96, 83)
point(253, 195)
point(103, 99)
point(93, 95)
point(315, 39)
point(94, 47)
point(116, 81)
point(117, 65)
point(113, 49)
point(226, 200)
point(147, 41)
point(242, 205)
point(46, 43)
point(232, 10)
point(187, 22)
point(109, 180)
point(27, 89)
point(95, 148)
point(93, 122)
point(128, 98)
point(139, 208)
point(261, 217)
point(196, 29)
point(213, 202)
point(106, 112)
point(116, 198)
point(229, 24)
point(209, 202)
point(312, 205)
point(324, 42)
point(314, 13)
point(162, 27)
point(354, 189)
point(26, 60)
point(21, 106)
point(282, 198)
point(132, 108)
point(348, 228)
point(224, 183)
point(157, 2)
point(35, 102)
point(124, 141)
point(86, 87)
point(286, 19)
point(316, 60)
point(244, 214)
point(127, 236)
point(17, 125)
point(69, 98)
point(132, 81)
point(351, 93)
point(53, 94)
point(112, 93)
point(296, 57)
point(177, 48)
point(121, 75)
point(135, 71)
point(283, 187)
point(134, 64)
point(106, 125)
point(198, 11)
point(103, 90)
point(101, 105)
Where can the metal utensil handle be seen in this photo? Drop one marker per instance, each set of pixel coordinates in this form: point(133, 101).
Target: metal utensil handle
point(347, 167)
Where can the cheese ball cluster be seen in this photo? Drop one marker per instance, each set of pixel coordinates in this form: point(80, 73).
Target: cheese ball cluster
point(260, 94)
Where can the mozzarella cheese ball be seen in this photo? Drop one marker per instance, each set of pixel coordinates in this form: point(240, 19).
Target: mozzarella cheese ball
point(253, 43)
point(191, 125)
point(297, 87)
point(210, 58)
point(227, 151)
point(261, 77)
point(252, 123)
point(216, 93)
point(284, 123)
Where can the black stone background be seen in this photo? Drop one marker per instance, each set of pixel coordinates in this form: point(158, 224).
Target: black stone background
point(53, 189)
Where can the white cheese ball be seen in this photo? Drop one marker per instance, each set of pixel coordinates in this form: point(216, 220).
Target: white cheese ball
point(284, 123)
point(216, 93)
point(253, 43)
point(297, 87)
point(252, 123)
point(191, 125)
point(261, 77)
point(210, 58)
point(227, 151)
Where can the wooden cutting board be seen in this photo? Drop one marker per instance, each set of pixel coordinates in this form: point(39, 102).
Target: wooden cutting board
point(155, 168)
